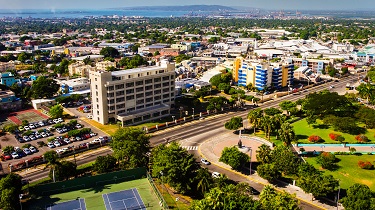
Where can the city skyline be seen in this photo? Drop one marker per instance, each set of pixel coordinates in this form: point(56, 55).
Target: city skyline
point(265, 4)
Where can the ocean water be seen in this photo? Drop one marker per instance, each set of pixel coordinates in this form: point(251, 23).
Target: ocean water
point(88, 13)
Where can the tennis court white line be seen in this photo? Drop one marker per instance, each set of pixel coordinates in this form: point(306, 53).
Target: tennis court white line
point(124, 204)
point(122, 200)
point(136, 198)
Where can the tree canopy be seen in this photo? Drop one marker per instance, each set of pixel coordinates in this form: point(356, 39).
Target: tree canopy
point(130, 147)
point(358, 196)
point(234, 123)
point(109, 52)
point(44, 88)
point(234, 157)
point(175, 166)
point(56, 111)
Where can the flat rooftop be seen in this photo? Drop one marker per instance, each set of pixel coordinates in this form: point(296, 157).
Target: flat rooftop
point(135, 70)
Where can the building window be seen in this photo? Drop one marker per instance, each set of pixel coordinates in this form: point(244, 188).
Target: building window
point(96, 86)
point(97, 100)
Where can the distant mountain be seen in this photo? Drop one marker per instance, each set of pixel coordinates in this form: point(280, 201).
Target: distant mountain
point(209, 8)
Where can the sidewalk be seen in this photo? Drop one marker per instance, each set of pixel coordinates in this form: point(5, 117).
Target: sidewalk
point(211, 150)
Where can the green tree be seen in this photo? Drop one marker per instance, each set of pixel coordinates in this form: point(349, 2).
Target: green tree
point(175, 166)
point(63, 170)
point(264, 154)
point(271, 199)
point(216, 80)
point(358, 196)
point(327, 160)
point(286, 133)
point(272, 111)
point(10, 188)
point(224, 87)
point(254, 117)
point(130, 147)
point(366, 90)
point(285, 160)
point(287, 105)
point(56, 111)
point(104, 164)
point(109, 52)
point(203, 180)
point(44, 88)
point(234, 157)
point(268, 171)
point(234, 123)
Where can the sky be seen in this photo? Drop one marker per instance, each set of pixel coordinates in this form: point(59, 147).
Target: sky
point(263, 4)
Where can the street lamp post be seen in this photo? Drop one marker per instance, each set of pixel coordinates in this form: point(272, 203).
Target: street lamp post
point(20, 196)
point(338, 197)
point(161, 173)
point(173, 119)
point(193, 113)
point(322, 147)
point(372, 149)
point(251, 151)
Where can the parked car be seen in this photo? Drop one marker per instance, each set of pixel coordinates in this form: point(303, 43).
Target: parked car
point(31, 126)
point(78, 138)
point(15, 155)
point(27, 151)
point(20, 128)
point(66, 140)
point(26, 128)
point(57, 143)
point(60, 119)
point(32, 137)
point(50, 145)
point(41, 123)
point(7, 156)
point(33, 149)
point(78, 126)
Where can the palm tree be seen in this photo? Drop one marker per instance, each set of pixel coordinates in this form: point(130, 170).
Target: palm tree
point(366, 90)
point(52, 161)
point(205, 180)
point(278, 120)
point(264, 154)
point(267, 123)
point(286, 133)
point(254, 117)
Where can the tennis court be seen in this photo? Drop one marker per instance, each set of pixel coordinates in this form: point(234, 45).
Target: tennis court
point(126, 199)
point(78, 204)
point(30, 115)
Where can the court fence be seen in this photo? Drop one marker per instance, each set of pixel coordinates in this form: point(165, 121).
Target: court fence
point(89, 182)
point(157, 192)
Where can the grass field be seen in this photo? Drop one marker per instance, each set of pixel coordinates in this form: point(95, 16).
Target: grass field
point(93, 196)
point(303, 131)
point(348, 172)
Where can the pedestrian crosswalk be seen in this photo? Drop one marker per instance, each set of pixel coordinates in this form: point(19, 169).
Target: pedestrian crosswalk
point(190, 147)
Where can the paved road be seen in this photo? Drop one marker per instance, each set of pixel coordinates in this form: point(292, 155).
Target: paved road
point(197, 132)
point(192, 134)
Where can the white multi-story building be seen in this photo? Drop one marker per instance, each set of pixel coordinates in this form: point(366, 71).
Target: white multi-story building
point(133, 96)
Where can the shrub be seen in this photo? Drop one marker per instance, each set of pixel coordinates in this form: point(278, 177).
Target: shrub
point(327, 160)
point(361, 138)
point(365, 165)
point(334, 136)
point(314, 138)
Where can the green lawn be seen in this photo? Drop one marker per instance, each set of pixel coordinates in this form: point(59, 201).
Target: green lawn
point(348, 172)
point(303, 131)
point(93, 196)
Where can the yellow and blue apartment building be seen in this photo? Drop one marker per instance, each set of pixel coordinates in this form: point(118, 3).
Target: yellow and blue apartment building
point(262, 75)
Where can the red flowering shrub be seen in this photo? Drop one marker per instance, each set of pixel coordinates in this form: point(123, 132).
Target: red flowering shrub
point(361, 138)
point(333, 136)
point(365, 165)
point(314, 138)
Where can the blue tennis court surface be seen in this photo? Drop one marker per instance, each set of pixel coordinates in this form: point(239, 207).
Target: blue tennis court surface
point(71, 205)
point(127, 199)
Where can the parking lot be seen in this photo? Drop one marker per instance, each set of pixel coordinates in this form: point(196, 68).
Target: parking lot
point(40, 133)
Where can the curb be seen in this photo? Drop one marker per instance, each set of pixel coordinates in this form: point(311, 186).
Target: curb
point(257, 181)
point(86, 120)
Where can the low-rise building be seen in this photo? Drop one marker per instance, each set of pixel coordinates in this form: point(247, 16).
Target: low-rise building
point(79, 68)
point(6, 66)
point(7, 78)
point(74, 85)
point(103, 65)
point(9, 101)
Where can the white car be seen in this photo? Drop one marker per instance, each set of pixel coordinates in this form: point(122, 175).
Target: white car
point(60, 120)
point(32, 126)
point(26, 128)
point(15, 155)
point(50, 145)
point(215, 174)
point(27, 151)
point(41, 123)
point(56, 143)
point(33, 149)
point(55, 121)
point(206, 162)
point(95, 141)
